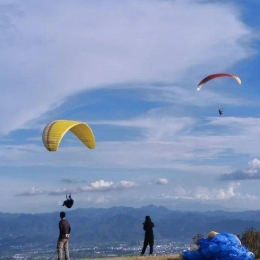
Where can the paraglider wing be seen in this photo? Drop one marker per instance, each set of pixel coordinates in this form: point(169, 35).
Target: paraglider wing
point(222, 246)
point(54, 132)
point(213, 76)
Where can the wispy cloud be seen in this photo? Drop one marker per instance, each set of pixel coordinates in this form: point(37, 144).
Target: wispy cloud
point(205, 193)
point(146, 51)
point(66, 180)
point(97, 186)
point(154, 126)
point(180, 96)
point(63, 191)
point(32, 192)
point(164, 142)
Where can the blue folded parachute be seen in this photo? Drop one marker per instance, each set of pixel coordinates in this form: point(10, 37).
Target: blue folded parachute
point(223, 246)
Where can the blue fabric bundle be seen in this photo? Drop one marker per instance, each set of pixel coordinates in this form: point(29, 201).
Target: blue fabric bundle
point(223, 246)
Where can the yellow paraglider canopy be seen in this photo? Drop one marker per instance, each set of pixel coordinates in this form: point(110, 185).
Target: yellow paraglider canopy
point(54, 132)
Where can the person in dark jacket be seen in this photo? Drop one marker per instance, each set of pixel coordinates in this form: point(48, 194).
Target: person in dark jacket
point(148, 237)
point(63, 240)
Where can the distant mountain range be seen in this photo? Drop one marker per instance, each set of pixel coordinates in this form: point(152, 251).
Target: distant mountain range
point(122, 224)
point(185, 205)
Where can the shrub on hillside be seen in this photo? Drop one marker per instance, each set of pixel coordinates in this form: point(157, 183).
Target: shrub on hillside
point(251, 239)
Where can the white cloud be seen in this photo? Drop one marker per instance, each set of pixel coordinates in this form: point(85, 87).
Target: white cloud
point(162, 181)
point(218, 194)
point(181, 192)
point(108, 186)
point(101, 199)
point(253, 166)
point(251, 172)
point(51, 51)
point(32, 192)
point(205, 193)
point(97, 186)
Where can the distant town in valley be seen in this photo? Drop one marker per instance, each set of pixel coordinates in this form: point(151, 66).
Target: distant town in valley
point(90, 250)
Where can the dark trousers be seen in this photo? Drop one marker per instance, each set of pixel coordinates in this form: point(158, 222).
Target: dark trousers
point(148, 241)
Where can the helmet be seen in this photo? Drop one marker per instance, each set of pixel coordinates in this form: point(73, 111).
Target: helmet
point(212, 234)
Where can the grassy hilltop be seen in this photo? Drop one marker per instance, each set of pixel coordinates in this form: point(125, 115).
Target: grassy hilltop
point(159, 257)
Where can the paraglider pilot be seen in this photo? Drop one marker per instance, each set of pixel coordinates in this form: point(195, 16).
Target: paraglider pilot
point(220, 111)
point(68, 202)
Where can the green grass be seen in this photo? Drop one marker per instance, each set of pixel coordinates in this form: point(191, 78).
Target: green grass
point(160, 257)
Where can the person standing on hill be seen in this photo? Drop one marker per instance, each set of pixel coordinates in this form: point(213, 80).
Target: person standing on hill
point(148, 237)
point(63, 240)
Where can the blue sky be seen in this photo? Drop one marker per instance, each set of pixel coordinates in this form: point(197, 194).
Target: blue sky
point(130, 70)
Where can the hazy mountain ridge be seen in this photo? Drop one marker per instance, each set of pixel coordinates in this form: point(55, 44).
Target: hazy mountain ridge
point(123, 224)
